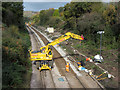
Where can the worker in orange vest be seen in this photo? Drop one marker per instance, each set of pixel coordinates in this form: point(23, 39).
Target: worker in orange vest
point(87, 59)
point(80, 63)
point(67, 67)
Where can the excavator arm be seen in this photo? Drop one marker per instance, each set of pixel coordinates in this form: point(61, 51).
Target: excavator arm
point(65, 37)
point(61, 39)
point(75, 36)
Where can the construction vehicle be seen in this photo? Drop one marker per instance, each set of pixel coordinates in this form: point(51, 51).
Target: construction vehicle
point(29, 24)
point(44, 57)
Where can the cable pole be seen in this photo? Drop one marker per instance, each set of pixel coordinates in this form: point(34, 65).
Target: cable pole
point(100, 45)
point(100, 32)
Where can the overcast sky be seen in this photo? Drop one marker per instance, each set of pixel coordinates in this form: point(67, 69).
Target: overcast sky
point(37, 6)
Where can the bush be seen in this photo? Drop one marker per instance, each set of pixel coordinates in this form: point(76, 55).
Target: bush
point(14, 56)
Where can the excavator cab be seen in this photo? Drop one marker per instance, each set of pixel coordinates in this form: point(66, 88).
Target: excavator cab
point(42, 50)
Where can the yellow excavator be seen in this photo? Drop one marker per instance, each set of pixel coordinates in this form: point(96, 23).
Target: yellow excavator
point(44, 57)
point(29, 24)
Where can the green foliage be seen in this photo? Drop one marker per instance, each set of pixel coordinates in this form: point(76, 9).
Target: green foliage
point(98, 7)
point(92, 18)
point(88, 25)
point(14, 56)
point(12, 13)
point(110, 38)
point(85, 18)
point(26, 19)
point(49, 17)
point(77, 46)
point(74, 10)
point(110, 14)
point(15, 44)
point(45, 15)
point(61, 9)
point(56, 13)
point(53, 21)
point(36, 19)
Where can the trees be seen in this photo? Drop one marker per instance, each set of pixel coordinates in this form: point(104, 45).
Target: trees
point(56, 13)
point(12, 13)
point(35, 18)
point(85, 18)
point(15, 44)
point(110, 14)
point(45, 15)
point(73, 11)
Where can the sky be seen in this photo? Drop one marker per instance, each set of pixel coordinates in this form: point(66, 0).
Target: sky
point(37, 6)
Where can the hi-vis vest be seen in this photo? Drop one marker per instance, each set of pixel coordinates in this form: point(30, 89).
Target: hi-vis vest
point(78, 63)
point(87, 59)
point(67, 67)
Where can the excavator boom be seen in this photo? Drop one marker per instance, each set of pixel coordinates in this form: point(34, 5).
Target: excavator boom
point(65, 37)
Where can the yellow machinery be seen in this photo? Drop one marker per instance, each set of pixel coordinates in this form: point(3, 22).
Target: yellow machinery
point(44, 57)
point(29, 24)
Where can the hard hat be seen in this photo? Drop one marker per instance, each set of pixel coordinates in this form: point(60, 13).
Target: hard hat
point(67, 63)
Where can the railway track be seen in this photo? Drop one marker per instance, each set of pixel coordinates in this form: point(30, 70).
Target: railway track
point(60, 66)
point(42, 74)
point(71, 79)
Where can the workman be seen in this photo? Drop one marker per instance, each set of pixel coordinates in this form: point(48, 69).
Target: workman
point(87, 59)
point(80, 63)
point(67, 67)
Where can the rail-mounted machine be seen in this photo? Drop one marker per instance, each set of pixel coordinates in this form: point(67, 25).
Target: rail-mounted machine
point(44, 57)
